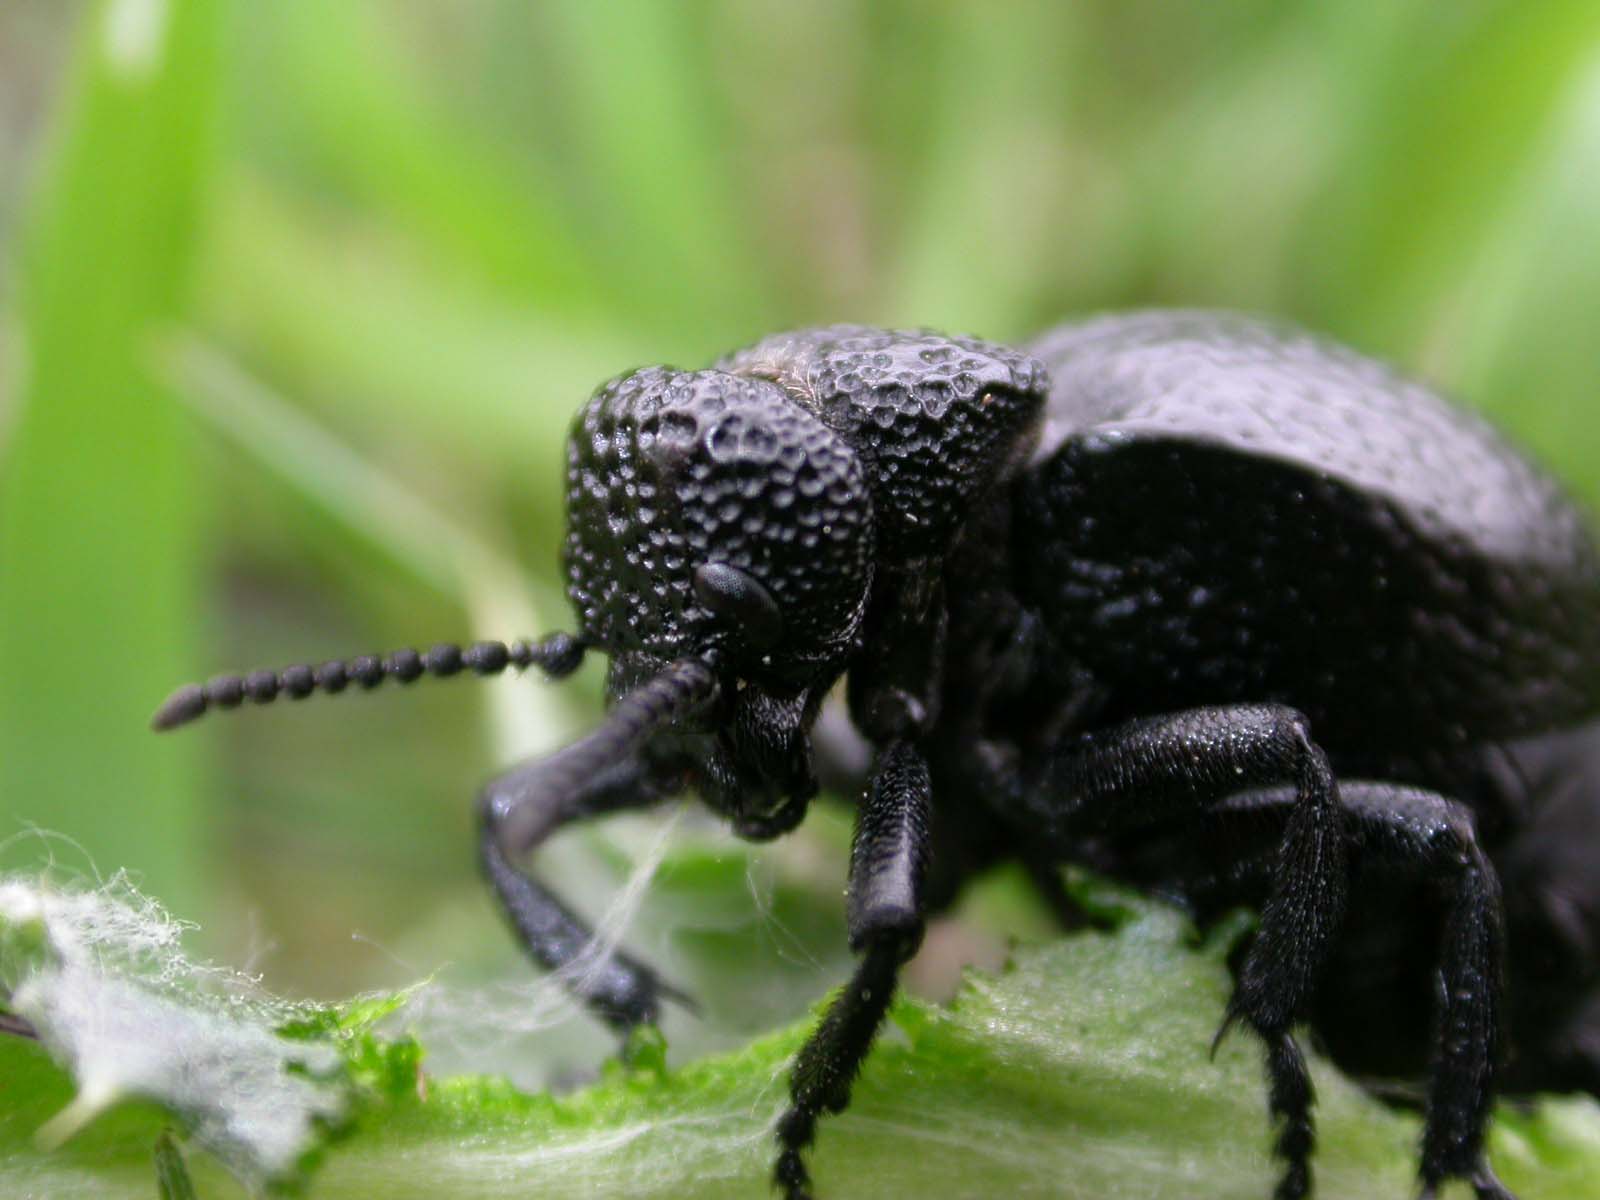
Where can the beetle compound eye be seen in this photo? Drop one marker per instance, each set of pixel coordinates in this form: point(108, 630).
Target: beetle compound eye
point(741, 602)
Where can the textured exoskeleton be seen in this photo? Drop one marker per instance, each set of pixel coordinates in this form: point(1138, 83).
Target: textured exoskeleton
point(1207, 604)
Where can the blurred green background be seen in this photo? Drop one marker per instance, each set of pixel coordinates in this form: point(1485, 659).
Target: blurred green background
point(298, 298)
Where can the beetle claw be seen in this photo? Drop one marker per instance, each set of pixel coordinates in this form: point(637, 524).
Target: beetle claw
point(678, 996)
point(1486, 1186)
point(1223, 1030)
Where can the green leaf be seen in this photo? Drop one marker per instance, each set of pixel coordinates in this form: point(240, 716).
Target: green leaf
point(260, 1084)
point(1080, 1071)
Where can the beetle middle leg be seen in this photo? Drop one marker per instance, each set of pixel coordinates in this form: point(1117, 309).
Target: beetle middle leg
point(1176, 767)
point(888, 865)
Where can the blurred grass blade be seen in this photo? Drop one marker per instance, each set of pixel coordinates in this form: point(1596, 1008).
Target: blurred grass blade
point(990, 192)
point(658, 170)
point(380, 339)
point(172, 1175)
point(98, 513)
point(440, 552)
point(332, 94)
point(1436, 162)
point(270, 429)
point(1523, 337)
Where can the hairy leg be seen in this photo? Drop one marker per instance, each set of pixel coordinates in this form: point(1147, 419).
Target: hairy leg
point(1177, 767)
point(1424, 835)
point(603, 772)
point(621, 991)
point(888, 864)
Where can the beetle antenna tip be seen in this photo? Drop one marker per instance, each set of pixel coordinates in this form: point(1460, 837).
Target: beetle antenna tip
point(184, 705)
point(557, 656)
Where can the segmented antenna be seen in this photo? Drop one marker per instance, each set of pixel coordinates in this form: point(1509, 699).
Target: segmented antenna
point(557, 655)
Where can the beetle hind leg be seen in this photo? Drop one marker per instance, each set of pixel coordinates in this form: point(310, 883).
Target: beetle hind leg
point(1175, 769)
point(1418, 833)
point(1435, 837)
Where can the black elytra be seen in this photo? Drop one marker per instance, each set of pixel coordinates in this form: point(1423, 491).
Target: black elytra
point(1209, 604)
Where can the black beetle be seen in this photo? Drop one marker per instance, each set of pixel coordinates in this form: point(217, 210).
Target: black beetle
point(1204, 603)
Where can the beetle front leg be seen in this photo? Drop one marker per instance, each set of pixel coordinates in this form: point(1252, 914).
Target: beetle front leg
point(517, 812)
point(1176, 768)
point(888, 863)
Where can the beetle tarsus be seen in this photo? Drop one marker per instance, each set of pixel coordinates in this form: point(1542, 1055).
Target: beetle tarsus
point(619, 989)
point(1412, 832)
point(790, 1174)
point(828, 1063)
point(1290, 1098)
point(1486, 1186)
point(1182, 766)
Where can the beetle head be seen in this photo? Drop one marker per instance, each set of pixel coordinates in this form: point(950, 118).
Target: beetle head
point(723, 527)
point(712, 516)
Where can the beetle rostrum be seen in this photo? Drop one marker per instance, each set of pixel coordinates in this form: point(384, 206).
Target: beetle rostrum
point(1207, 604)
